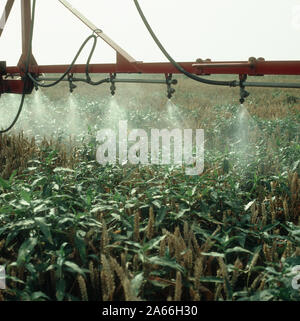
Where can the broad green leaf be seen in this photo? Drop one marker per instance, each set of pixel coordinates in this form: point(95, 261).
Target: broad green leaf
point(40, 208)
point(14, 173)
point(37, 296)
point(165, 262)
point(63, 170)
point(60, 289)
point(153, 243)
point(39, 181)
point(138, 245)
point(270, 227)
point(159, 284)
point(5, 184)
point(160, 216)
point(136, 283)
point(157, 204)
point(80, 245)
point(238, 249)
point(229, 289)
point(14, 279)
point(249, 205)
point(41, 222)
point(24, 203)
point(215, 254)
point(74, 267)
point(25, 250)
point(212, 279)
point(295, 165)
point(133, 191)
point(181, 213)
point(26, 196)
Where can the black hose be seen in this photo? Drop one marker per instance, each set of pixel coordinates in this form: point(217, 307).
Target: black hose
point(26, 73)
point(88, 78)
point(70, 67)
point(233, 83)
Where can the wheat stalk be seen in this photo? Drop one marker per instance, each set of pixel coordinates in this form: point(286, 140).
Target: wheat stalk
point(124, 280)
point(219, 287)
point(104, 238)
point(224, 273)
point(264, 215)
point(188, 259)
point(186, 231)
point(198, 272)
point(267, 252)
point(162, 247)
point(107, 279)
point(150, 226)
point(238, 265)
point(136, 231)
point(286, 210)
point(82, 287)
point(256, 281)
point(178, 287)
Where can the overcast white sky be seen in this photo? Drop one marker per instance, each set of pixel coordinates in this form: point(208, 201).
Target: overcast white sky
point(189, 29)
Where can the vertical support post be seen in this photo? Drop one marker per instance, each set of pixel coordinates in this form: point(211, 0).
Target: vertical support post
point(26, 25)
point(26, 22)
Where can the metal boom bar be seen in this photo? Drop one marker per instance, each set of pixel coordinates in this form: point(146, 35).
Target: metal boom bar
point(5, 14)
point(257, 69)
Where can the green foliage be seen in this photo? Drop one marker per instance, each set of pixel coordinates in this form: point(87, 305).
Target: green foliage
point(126, 231)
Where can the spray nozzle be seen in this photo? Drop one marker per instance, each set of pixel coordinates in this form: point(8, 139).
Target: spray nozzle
point(169, 82)
point(243, 93)
point(71, 85)
point(113, 84)
point(171, 91)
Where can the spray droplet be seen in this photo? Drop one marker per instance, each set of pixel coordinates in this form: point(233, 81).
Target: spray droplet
point(246, 129)
point(75, 124)
point(173, 114)
point(114, 114)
